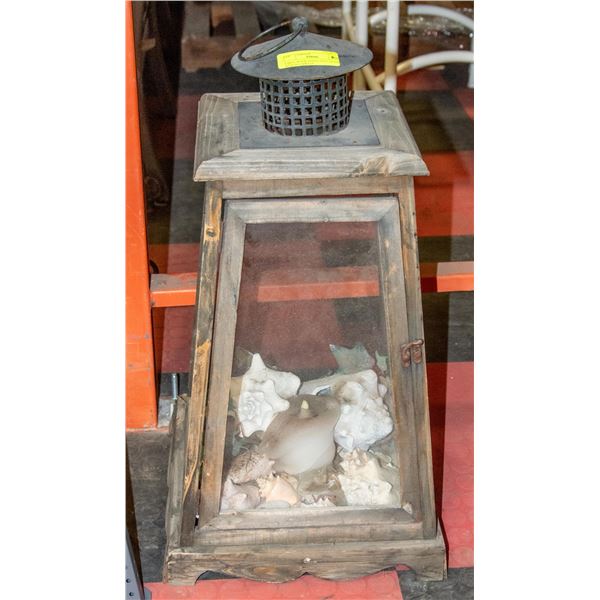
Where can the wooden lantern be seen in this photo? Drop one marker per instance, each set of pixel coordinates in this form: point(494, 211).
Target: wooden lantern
point(306, 242)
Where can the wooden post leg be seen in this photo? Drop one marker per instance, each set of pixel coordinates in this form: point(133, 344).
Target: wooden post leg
point(201, 350)
point(140, 380)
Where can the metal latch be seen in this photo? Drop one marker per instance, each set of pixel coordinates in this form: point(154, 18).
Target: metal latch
point(413, 351)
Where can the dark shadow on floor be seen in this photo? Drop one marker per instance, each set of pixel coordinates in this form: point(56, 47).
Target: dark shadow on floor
point(148, 454)
point(458, 586)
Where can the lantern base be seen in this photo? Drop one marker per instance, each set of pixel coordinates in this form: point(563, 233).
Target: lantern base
point(277, 563)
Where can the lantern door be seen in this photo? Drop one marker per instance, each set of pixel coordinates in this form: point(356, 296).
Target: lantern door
point(311, 311)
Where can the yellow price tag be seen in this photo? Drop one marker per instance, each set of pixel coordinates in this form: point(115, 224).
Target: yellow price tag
point(308, 58)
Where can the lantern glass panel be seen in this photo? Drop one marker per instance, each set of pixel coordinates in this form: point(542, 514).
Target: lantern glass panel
point(311, 308)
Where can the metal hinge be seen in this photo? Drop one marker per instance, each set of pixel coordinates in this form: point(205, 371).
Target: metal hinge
point(413, 351)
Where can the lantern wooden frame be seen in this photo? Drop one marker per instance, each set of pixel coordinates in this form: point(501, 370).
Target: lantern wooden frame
point(360, 183)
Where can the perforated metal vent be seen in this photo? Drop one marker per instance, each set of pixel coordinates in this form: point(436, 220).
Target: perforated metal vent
point(305, 107)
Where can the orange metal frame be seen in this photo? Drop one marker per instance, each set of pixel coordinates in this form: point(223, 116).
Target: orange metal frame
point(179, 289)
point(140, 380)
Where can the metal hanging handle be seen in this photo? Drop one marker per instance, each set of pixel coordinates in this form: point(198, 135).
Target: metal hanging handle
point(298, 25)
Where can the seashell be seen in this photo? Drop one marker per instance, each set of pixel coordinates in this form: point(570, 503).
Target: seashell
point(248, 466)
point(384, 459)
point(323, 502)
point(350, 360)
point(381, 361)
point(286, 384)
point(320, 483)
point(258, 406)
point(362, 481)
point(364, 417)
point(277, 489)
point(262, 395)
point(239, 497)
point(311, 501)
point(332, 384)
point(301, 438)
point(293, 481)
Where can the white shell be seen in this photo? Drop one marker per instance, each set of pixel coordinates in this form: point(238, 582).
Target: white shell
point(350, 360)
point(239, 497)
point(333, 383)
point(259, 400)
point(311, 501)
point(362, 480)
point(286, 384)
point(408, 507)
point(277, 489)
point(364, 418)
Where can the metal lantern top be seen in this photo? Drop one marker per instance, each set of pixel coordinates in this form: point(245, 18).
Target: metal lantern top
point(303, 79)
point(300, 55)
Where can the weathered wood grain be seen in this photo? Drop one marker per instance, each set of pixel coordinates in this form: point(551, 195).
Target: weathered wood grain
point(217, 131)
point(389, 122)
point(300, 163)
point(219, 157)
point(307, 210)
point(279, 563)
point(230, 268)
point(300, 517)
point(309, 535)
point(294, 188)
point(392, 285)
point(175, 474)
point(201, 351)
point(414, 307)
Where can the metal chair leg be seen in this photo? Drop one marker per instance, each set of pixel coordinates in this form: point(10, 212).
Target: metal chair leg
point(134, 590)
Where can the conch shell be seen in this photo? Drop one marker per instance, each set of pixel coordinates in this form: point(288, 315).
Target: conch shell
point(239, 497)
point(262, 395)
point(364, 419)
point(362, 480)
point(312, 501)
point(248, 466)
point(277, 489)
